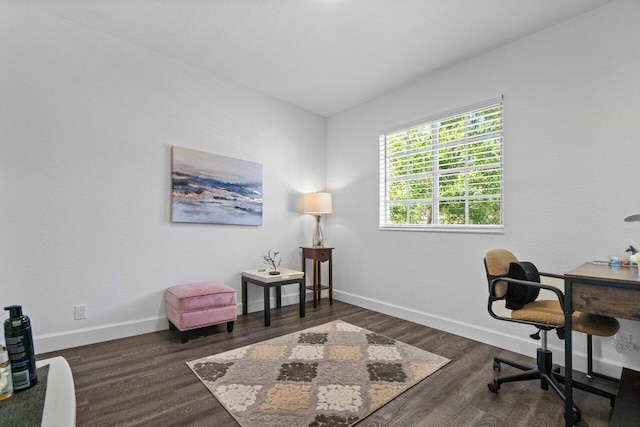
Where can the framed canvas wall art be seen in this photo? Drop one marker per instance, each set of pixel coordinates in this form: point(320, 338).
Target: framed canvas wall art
point(214, 189)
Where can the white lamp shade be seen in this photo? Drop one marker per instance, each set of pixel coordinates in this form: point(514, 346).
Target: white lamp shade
point(317, 203)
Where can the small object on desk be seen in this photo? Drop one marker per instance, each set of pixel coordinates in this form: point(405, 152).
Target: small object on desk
point(6, 384)
point(626, 263)
point(19, 338)
point(618, 261)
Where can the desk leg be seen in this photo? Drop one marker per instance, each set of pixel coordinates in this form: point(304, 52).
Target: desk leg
point(303, 291)
point(245, 309)
point(319, 284)
point(568, 356)
point(267, 307)
point(330, 281)
point(278, 296)
point(315, 283)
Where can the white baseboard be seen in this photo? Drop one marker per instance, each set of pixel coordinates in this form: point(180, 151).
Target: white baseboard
point(77, 337)
point(517, 344)
point(85, 336)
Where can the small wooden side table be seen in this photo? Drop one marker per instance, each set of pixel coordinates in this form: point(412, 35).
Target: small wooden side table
point(263, 279)
point(318, 255)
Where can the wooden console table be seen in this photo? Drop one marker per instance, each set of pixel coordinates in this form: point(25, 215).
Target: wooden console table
point(318, 255)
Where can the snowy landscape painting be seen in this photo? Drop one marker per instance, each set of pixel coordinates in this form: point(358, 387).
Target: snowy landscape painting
point(208, 188)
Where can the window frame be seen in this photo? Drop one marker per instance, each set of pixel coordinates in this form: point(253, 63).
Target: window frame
point(436, 172)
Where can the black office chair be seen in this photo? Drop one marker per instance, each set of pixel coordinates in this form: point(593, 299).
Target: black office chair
point(521, 294)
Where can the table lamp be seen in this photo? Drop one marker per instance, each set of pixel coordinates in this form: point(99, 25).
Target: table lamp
point(632, 218)
point(635, 248)
point(317, 204)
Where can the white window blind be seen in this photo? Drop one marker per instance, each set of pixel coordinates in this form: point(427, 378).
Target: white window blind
point(444, 173)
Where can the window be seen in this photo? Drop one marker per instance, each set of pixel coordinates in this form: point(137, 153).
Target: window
point(444, 173)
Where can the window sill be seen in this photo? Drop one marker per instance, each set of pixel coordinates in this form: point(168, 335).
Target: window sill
point(487, 229)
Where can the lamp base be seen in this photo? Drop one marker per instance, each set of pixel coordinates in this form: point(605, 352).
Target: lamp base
point(318, 237)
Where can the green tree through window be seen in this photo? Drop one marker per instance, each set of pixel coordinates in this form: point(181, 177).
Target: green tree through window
point(445, 172)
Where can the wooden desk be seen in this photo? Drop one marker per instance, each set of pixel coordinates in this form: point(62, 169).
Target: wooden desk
point(599, 289)
point(318, 255)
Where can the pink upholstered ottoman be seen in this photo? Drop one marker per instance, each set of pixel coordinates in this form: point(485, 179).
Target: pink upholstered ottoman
point(198, 305)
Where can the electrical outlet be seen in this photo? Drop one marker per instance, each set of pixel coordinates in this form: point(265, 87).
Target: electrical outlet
point(625, 338)
point(622, 346)
point(81, 312)
point(622, 342)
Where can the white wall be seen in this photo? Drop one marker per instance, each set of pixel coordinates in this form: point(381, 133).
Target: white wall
point(86, 127)
point(571, 106)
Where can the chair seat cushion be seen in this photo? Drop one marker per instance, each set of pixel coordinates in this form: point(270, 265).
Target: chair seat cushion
point(549, 312)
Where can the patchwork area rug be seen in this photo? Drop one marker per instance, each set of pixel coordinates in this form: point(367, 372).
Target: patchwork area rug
point(330, 375)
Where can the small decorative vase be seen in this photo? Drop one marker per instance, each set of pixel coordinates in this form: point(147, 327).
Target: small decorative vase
point(274, 273)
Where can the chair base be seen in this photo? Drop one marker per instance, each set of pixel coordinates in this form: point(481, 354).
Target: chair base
point(548, 374)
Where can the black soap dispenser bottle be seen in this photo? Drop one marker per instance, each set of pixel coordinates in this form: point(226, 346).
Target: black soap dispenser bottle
point(19, 340)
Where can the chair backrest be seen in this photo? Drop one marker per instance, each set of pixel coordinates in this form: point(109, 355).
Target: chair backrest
point(496, 263)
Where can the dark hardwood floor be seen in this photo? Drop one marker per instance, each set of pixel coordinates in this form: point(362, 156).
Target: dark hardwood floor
point(143, 380)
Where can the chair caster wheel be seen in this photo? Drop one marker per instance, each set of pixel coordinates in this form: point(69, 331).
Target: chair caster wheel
point(496, 366)
point(493, 387)
point(575, 417)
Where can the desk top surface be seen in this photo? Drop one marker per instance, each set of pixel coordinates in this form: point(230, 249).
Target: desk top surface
point(317, 248)
point(592, 271)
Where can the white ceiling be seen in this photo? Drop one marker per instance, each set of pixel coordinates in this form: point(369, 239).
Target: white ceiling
point(321, 55)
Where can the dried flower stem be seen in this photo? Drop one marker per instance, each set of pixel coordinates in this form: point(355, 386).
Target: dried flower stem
point(271, 259)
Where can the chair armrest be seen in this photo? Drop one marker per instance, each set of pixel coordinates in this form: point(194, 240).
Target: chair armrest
point(536, 285)
point(510, 280)
point(555, 276)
